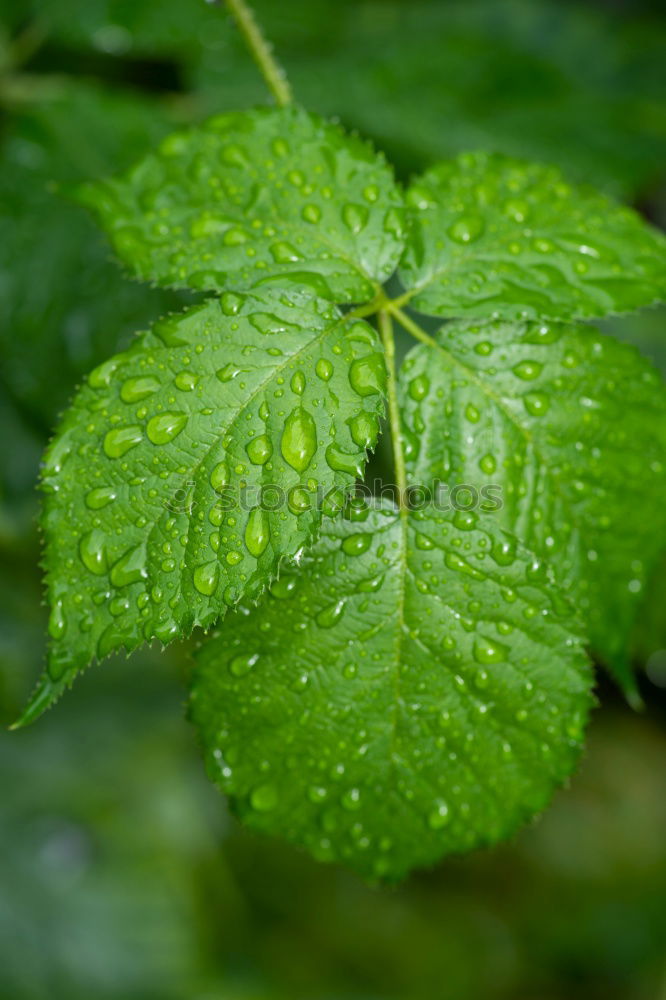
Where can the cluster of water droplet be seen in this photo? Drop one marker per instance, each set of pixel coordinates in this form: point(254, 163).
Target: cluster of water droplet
point(505, 238)
point(193, 463)
point(429, 668)
point(538, 409)
point(262, 196)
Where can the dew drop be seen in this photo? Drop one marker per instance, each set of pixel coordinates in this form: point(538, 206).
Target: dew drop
point(260, 449)
point(438, 817)
point(419, 387)
point(356, 545)
point(544, 333)
point(371, 585)
point(527, 370)
point(466, 229)
point(489, 650)
point(230, 303)
point(57, 621)
point(284, 253)
point(92, 551)
point(206, 577)
point(242, 664)
point(329, 616)
point(186, 381)
point(342, 461)
point(324, 369)
point(280, 147)
point(317, 793)
point(229, 372)
point(100, 377)
point(135, 389)
point(423, 542)
point(118, 606)
point(57, 455)
point(113, 637)
point(233, 156)
point(367, 375)
point(311, 213)
point(120, 440)
point(219, 477)
point(264, 798)
point(235, 237)
point(504, 551)
point(299, 439)
point(364, 429)
point(355, 217)
point(465, 520)
point(297, 383)
point(299, 500)
point(351, 800)
point(517, 209)
point(283, 587)
point(257, 532)
point(536, 403)
point(100, 497)
point(131, 567)
point(165, 427)
point(394, 223)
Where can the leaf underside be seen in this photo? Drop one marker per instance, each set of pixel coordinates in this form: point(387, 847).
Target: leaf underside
point(552, 415)
point(190, 465)
point(494, 237)
point(253, 197)
point(411, 691)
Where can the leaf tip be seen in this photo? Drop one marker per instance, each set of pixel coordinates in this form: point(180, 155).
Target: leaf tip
point(45, 694)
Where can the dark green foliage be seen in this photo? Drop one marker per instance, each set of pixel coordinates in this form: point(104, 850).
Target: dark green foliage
point(415, 685)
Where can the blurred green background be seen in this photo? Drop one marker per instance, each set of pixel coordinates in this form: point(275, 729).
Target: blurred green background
point(121, 873)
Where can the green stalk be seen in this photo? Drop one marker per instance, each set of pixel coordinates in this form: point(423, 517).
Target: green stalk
point(261, 51)
point(386, 332)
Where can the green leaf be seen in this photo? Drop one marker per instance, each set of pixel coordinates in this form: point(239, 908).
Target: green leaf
point(494, 237)
point(255, 197)
point(570, 427)
point(407, 694)
point(190, 465)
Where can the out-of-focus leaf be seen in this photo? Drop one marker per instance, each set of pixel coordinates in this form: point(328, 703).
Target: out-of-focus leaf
point(65, 305)
point(557, 82)
point(98, 864)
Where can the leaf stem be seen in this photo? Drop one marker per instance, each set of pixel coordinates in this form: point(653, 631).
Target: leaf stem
point(261, 51)
point(386, 332)
point(408, 323)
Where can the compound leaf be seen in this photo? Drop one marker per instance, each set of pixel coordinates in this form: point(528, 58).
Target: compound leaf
point(407, 694)
point(495, 237)
point(570, 427)
point(191, 464)
point(255, 197)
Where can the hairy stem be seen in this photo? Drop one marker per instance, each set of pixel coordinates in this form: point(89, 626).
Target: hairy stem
point(386, 332)
point(260, 51)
